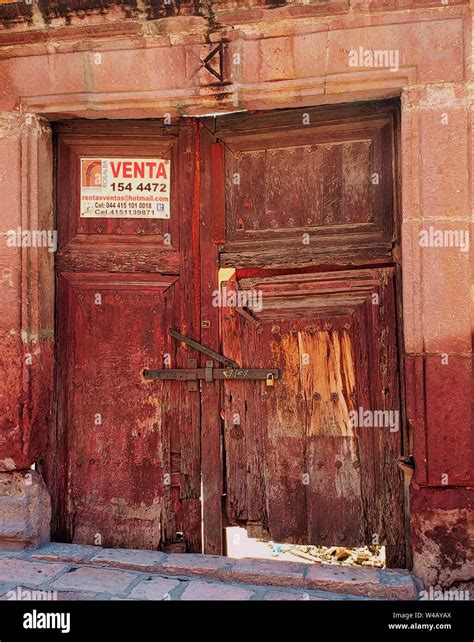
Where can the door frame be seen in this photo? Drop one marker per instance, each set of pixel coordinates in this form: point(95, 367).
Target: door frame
point(208, 232)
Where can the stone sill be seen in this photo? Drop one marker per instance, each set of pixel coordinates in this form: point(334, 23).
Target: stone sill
point(389, 584)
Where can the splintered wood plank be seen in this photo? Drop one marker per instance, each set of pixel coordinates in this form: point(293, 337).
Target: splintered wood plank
point(334, 483)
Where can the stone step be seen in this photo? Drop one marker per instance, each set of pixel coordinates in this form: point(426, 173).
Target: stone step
point(391, 584)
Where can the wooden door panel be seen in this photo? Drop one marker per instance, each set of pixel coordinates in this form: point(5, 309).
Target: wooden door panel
point(302, 190)
point(134, 477)
point(324, 480)
point(116, 244)
point(332, 186)
point(118, 447)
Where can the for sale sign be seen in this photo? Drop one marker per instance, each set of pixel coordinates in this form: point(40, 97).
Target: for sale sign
point(125, 187)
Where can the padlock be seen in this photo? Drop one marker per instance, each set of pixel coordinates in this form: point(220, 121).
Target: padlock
point(270, 379)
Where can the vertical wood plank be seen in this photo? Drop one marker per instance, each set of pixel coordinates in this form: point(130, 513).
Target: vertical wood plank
point(154, 489)
point(218, 193)
point(386, 397)
point(186, 403)
point(245, 426)
point(211, 437)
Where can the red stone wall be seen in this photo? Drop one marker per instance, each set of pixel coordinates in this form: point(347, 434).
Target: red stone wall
point(135, 59)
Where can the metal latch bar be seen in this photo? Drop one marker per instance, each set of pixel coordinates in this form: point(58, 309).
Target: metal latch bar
point(228, 374)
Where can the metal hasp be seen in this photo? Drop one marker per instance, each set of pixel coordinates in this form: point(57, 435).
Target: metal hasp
point(231, 373)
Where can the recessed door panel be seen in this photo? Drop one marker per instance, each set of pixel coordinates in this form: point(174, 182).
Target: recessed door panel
point(313, 457)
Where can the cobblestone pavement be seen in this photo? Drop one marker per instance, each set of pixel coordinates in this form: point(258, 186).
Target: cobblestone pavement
point(76, 572)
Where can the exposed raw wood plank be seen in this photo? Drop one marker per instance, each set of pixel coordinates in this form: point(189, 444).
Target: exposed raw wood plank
point(284, 444)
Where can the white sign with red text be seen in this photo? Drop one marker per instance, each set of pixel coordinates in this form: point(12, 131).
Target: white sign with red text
point(125, 188)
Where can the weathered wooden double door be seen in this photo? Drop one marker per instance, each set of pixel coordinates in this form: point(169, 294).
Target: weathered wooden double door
point(279, 251)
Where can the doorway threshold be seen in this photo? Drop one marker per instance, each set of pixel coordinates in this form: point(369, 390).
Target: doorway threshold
point(94, 569)
point(239, 544)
